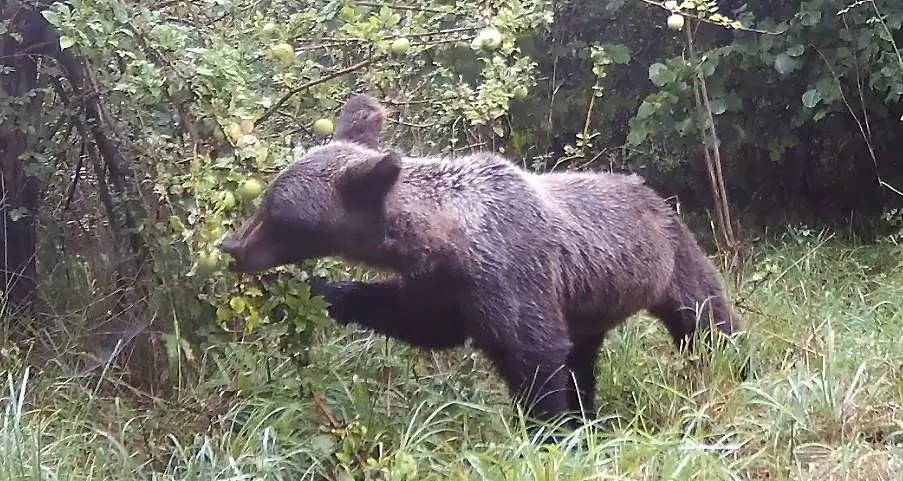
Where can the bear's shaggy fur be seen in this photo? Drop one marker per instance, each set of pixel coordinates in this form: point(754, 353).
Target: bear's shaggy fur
point(535, 269)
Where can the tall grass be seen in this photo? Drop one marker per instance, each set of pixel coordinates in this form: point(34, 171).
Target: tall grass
point(826, 332)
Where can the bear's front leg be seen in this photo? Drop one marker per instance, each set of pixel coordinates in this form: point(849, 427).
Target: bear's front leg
point(582, 361)
point(528, 344)
point(419, 318)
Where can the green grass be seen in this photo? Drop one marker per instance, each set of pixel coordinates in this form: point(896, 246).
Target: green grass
point(826, 331)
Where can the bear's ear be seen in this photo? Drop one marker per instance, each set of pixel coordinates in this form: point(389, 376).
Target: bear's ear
point(367, 182)
point(360, 121)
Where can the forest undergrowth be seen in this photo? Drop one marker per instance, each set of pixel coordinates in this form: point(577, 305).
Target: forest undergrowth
point(826, 403)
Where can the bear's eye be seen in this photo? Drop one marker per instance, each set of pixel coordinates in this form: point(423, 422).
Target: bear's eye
point(294, 220)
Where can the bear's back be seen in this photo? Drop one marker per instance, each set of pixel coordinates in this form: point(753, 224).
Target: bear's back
point(602, 237)
point(471, 191)
point(618, 235)
point(605, 200)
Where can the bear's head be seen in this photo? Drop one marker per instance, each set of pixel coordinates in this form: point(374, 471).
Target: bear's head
point(325, 203)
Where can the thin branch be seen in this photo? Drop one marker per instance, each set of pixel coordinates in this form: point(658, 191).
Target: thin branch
point(331, 41)
point(890, 36)
point(589, 118)
point(716, 151)
point(705, 20)
point(846, 102)
point(396, 103)
point(865, 115)
point(291, 93)
point(164, 4)
point(76, 175)
point(118, 170)
point(553, 91)
point(330, 418)
point(435, 32)
point(713, 157)
point(412, 8)
point(469, 147)
point(413, 125)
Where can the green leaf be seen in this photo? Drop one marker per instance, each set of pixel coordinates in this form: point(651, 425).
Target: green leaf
point(810, 18)
point(734, 102)
point(66, 42)
point(707, 67)
point(785, 64)
point(636, 136)
point(796, 50)
point(661, 75)
point(322, 444)
point(237, 304)
point(619, 53)
point(845, 56)
point(176, 224)
point(811, 98)
point(718, 106)
point(684, 126)
point(52, 17)
point(646, 110)
point(252, 321)
point(18, 213)
point(827, 87)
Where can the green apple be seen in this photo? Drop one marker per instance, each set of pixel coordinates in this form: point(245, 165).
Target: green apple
point(233, 130)
point(207, 262)
point(227, 200)
point(249, 190)
point(323, 127)
point(675, 21)
point(283, 52)
point(492, 38)
point(400, 46)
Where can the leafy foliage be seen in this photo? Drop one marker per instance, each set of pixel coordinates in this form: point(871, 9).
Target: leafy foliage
point(242, 83)
point(144, 127)
point(826, 402)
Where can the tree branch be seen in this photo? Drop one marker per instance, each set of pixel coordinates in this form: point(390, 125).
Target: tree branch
point(291, 93)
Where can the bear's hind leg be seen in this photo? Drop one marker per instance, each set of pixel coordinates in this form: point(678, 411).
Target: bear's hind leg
point(695, 300)
point(695, 284)
point(416, 318)
point(683, 320)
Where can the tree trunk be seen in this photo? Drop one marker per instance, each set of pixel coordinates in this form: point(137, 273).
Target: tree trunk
point(19, 106)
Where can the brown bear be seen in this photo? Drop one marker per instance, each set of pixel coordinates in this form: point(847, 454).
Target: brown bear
point(534, 268)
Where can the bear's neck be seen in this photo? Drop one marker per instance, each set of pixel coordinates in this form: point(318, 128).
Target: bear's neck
point(417, 239)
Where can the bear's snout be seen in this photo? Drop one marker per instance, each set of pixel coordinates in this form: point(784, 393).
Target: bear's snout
point(232, 247)
point(245, 256)
point(229, 245)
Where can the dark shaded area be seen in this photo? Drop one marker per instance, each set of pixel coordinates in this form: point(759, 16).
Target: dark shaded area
point(20, 101)
point(782, 165)
point(35, 69)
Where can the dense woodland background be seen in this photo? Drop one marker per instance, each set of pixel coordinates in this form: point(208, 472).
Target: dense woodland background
point(126, 129)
